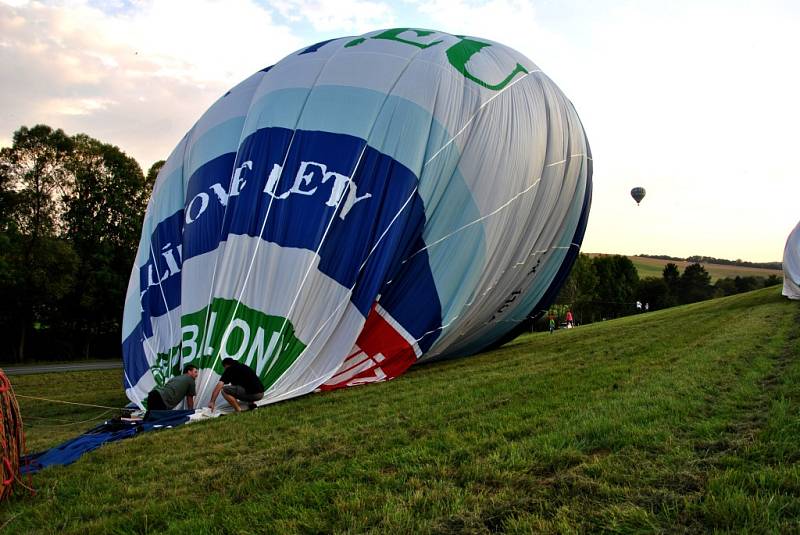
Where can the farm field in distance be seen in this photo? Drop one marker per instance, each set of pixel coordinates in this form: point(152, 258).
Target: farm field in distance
point(653, 267)
point(678, 420)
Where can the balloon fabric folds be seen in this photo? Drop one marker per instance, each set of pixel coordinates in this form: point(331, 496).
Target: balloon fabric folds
point(791, 265)
point(362, 205)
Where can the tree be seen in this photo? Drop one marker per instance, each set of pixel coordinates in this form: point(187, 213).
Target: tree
point(617, 281)
point(578, 291)
point(654, 291)
point(33, 181)
point(695, 284)
point(68, 206)
point(152, 174)
point(672, 276)
point(725, 286)
point(748, 283)
point(103, 217)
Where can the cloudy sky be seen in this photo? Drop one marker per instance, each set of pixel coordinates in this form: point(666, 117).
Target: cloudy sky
point(698, 101)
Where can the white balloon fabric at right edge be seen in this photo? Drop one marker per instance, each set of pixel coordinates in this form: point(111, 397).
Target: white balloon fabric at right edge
point(791, 265)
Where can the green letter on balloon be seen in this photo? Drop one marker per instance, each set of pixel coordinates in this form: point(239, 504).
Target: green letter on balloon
point(460, 53)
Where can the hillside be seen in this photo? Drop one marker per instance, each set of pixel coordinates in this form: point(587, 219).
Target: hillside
point(653, 267)
point(678, 420)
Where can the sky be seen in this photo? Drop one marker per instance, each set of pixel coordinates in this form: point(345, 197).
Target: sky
point(698, 101)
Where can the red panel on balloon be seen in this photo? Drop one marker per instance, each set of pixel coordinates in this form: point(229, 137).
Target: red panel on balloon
point(382, 352)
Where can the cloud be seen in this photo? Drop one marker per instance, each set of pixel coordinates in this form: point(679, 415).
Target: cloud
point(137, 77)
point(514, 23)
point(356, 16)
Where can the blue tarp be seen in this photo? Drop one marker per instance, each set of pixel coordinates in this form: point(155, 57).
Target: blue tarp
point(110, 431)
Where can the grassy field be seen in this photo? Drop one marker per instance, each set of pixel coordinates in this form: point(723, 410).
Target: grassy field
point(682, 420)
point(654, 267)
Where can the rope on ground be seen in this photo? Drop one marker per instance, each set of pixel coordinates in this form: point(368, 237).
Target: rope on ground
point(68, 402)
point(12, 441)
point(67, 422)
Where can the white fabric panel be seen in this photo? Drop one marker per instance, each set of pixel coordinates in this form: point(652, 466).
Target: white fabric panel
point(791, 265)
point(322, 358)
point(281, 281)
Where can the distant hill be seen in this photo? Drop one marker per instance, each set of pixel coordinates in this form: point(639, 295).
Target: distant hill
point(653, 266)
point(711, 260)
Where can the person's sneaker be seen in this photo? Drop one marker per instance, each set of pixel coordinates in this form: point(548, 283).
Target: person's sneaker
point(252, 406)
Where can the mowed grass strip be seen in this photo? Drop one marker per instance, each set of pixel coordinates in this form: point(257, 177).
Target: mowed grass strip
point(677, 420)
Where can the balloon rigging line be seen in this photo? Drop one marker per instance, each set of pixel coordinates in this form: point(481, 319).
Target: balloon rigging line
point(475, 113)
point(346, 191)
point(463, 227)
point(305, 277)
point(220, 239)
point(333, 216)
point(347, 298)
point(442, 327)
point(133, 388)
point(565, 160)
point(157, 332)
point(336, 208)
point(491, 287)
point(389, 226)
point(166, 306)
point(414, 254)
point(264, 224)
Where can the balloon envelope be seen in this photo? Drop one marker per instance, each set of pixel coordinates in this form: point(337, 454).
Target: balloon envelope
point(362, 205)
point(791, 265)
point(638, 194)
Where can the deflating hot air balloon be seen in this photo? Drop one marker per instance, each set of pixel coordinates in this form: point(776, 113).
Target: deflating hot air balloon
point(364, 204)
point(638, 194)
point(791, 265)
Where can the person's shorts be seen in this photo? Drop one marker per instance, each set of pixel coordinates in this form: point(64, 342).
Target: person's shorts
point(155, 402)
point(241, 394)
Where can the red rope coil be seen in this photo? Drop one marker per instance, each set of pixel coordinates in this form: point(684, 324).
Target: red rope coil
point(12, 440)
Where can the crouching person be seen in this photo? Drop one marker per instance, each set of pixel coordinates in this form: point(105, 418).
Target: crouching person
point(168, 397)
point(237, 383)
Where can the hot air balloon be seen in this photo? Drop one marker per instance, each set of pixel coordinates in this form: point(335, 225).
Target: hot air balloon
point(638, 194)
point(362, 205)
point(791, 265)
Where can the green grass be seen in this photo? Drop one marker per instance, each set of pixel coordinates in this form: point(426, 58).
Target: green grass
point(48, 423)
point(679, 420)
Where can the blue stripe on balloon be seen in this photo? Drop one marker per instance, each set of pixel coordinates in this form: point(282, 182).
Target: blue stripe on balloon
point(386, 122)
point(158, 279)
point(135, 362)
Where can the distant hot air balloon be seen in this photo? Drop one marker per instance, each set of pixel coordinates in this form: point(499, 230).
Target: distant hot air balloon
point(638, 194)
point(365, 203)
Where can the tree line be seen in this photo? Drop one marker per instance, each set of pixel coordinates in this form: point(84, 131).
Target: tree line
point(71, 209)
point(606, 287)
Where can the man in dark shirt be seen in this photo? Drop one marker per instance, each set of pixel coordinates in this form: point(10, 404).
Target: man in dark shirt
point(237, 383)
